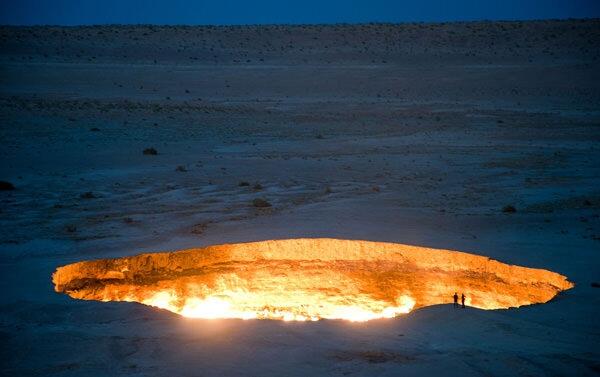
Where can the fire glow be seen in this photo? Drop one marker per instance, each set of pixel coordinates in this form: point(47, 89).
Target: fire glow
point(307, 279)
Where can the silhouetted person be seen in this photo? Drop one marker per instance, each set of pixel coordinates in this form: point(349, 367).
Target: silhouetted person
point(463, 300)
point(455, 300)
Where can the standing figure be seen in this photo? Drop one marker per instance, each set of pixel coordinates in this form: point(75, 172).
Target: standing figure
point(463, 300)
point(455, 300)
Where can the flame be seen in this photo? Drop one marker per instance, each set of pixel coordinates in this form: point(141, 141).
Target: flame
point(307, 280)
point(236, 305)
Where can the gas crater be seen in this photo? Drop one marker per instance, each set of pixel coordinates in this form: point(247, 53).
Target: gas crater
point(307, 279)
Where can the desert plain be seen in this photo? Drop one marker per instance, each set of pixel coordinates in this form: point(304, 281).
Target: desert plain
point(481, 137)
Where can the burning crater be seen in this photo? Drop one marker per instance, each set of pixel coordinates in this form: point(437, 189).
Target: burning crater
point(307, 279)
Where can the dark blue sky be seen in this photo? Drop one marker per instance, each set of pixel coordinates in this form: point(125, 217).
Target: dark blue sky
point(77, 12)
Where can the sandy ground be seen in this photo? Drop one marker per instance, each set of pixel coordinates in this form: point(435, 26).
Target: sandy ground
point(417, 133)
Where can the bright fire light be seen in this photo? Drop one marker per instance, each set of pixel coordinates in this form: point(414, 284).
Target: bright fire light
point(231, 306)
point(307, 280)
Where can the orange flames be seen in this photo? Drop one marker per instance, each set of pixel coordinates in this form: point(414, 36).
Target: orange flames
point(247, 305)
point(307, 279)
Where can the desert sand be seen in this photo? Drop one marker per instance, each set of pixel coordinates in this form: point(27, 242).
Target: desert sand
point(481, 137)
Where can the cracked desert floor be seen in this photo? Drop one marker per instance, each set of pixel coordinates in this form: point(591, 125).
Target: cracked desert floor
point(481, 137)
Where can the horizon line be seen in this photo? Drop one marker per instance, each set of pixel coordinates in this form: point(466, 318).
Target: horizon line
point(457, 21)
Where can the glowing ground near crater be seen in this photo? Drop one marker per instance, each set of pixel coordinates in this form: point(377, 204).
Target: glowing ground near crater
point(307, 279)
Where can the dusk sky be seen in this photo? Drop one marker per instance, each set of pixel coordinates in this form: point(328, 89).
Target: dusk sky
point(78, 12)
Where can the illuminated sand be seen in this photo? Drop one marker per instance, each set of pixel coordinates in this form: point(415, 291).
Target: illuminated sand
point(307, 279)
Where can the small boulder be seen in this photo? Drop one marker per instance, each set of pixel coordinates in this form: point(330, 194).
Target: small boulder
point(260, 203)
point(87, 195)
point(509, 209)
point(6, 186)
point(150, 152)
